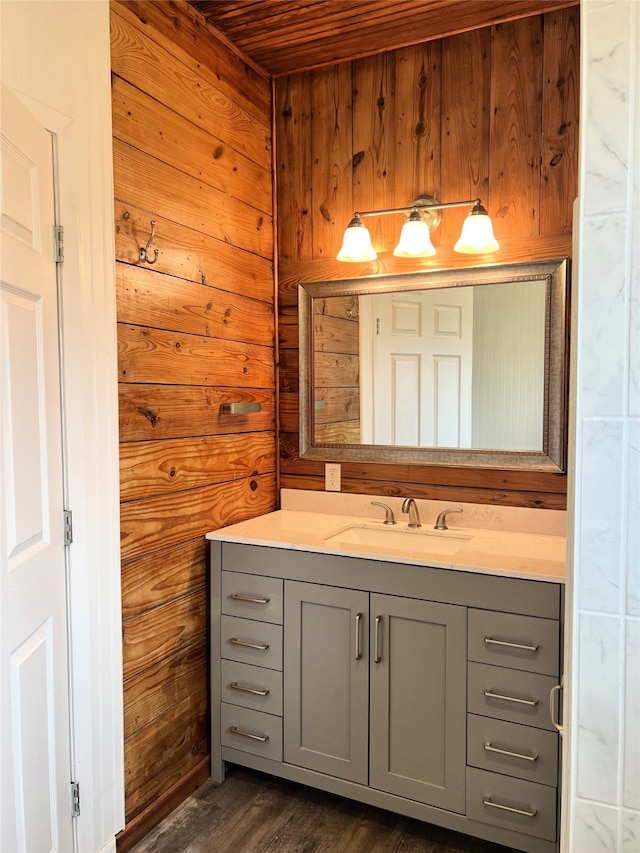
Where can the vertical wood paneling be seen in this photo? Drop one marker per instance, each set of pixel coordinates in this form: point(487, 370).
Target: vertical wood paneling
point(293, 171)
point(473, 115)
point(417, 121)
point(560, 104)
point(466, 92)
point(331, 145)
point(516, 127)
point(374, 144)
point(192, 151)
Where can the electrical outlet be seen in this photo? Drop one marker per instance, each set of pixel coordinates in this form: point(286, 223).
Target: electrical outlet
point(332, 476)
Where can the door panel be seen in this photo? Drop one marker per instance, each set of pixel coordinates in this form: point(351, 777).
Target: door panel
point(35, 762)
point(326, 687)
point(418, 708)
point(422, 352)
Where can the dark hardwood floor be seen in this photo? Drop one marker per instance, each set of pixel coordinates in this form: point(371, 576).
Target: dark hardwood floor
point(255, 813)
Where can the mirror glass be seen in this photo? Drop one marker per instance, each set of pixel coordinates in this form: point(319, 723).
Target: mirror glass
point(447, 367)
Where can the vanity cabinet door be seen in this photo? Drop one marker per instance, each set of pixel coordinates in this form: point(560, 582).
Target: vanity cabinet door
point(326, 680)
point(418, 700)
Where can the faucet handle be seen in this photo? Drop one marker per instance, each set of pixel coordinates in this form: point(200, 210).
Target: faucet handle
point(390, 518)
point(441, 523)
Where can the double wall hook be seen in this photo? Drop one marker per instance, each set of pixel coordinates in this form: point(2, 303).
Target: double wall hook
point(143, 254)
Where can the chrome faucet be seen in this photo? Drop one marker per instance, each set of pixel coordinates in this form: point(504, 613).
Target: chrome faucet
point(389, 518)
point(441, 523)
point(409, 505)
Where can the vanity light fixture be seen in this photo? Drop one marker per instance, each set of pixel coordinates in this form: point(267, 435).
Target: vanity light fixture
point(415, 239)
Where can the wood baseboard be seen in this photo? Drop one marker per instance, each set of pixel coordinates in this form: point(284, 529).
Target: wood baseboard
point(143, 823)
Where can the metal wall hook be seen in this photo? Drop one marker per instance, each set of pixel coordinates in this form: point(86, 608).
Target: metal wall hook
point(143, 254)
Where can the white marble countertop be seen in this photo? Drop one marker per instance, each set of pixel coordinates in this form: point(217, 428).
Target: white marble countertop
point(495, 540)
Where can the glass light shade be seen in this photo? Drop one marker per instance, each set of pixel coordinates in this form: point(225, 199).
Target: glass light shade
point(356, 244)
point(415, 239)
point(476, 236)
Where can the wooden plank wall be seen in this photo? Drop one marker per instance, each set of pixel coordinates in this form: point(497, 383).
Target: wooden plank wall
point(490, 113)
point(337, 392)
point(192, 151)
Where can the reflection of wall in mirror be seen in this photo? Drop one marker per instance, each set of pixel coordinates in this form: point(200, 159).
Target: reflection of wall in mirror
point(508, 366)
point(336, 371)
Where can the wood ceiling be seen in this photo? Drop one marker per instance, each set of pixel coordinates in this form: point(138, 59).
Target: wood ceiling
point(286, 36)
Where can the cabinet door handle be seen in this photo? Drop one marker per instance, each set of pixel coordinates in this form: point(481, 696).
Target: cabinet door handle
point(490, 641)
point(235, 686)
point(262, 647)
point(491, 695)
point(358, 649)
point(248, 598)
point(553, 707)
point(510, 809)
point(377, 657)
point(490, 748)
point(234, 730)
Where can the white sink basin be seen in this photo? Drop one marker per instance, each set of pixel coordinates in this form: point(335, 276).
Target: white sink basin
point(398, 541)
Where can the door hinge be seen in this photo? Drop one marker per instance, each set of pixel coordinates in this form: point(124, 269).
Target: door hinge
point(377, 325)
point(59, 243)
point(75, 799)
point(68, 527)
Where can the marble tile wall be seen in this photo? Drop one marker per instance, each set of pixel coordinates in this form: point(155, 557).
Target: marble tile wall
point(603, 809)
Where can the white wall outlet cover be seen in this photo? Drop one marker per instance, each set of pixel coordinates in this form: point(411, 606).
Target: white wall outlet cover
point(332, 477)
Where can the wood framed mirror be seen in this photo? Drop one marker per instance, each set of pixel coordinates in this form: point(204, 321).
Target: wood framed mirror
point(456, 367)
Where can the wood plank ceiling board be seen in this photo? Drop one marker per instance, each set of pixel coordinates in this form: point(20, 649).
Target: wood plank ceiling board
point(288, 36)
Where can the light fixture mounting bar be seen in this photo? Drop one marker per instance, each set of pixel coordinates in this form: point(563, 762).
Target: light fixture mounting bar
point(418, 205)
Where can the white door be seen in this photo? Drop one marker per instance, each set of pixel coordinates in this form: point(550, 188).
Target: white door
point(34, 726)
point(422, 365)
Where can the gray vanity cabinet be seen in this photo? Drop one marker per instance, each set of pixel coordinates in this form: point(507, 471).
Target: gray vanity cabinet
point(432, 701)
point(326, 689)
point(418, 703)
point(409, 665)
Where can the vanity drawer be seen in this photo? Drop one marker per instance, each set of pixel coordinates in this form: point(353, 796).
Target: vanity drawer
point(252, 597)
point(248, 641)
point(521, 751)
point(525, 807)
point(251, 731)
point(510, 694)
point(251, 686)
point(521, 642)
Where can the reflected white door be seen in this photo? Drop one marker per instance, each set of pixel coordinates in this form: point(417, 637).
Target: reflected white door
point(422, 366)
point(35, 761)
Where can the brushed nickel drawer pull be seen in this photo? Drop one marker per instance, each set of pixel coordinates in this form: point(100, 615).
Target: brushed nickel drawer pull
point(531, 702)
point(235, 686)
point(234, 730)
point(490, 641)
point(358, 649)
point(510, 809)
point(490, 748)
point(261, 647)
point(377, 657)
point(235, 597)
point(554, 695)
